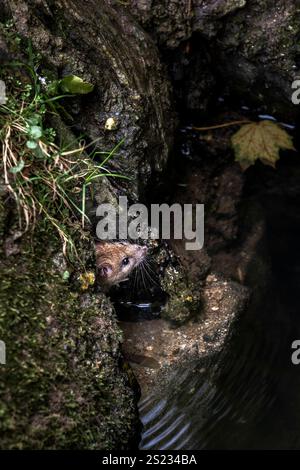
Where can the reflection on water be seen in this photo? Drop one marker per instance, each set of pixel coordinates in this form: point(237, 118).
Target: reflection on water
point(249, 396)
point(226, 408)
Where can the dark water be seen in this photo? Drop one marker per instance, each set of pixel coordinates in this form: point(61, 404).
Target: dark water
point(250, 399)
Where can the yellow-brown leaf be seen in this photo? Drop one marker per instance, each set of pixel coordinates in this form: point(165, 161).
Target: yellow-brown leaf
point(260, 140)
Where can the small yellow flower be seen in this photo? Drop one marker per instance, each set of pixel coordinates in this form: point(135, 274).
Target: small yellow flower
point(87, 279)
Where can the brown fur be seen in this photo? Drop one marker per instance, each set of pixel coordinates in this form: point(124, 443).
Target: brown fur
point(109, 259)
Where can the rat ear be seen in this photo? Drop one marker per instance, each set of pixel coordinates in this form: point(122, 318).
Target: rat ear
point(98, 246)
point(105, 270)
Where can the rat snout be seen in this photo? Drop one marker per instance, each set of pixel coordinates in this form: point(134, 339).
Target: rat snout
point(144, 250)
point(141, 253)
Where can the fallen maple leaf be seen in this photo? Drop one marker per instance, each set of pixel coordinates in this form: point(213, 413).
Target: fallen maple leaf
point(261, 140)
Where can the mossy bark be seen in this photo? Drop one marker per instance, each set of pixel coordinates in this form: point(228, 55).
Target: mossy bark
point(106, 47)
point(63, 385)
point(251, 48)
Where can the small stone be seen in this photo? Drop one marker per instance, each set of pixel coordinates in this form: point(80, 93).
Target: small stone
point(110, 124)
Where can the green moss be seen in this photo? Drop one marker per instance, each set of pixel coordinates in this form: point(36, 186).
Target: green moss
point(62, 386)
point(184, 300)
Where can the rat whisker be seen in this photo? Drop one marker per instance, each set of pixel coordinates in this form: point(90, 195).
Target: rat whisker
point(151, 274)
point(134, 289)
point(148, 275)
point(143, 276)
point(138, 277)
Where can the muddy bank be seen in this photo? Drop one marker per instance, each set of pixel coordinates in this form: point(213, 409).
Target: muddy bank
point(165, 348)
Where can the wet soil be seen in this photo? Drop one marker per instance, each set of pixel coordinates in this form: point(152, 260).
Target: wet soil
point(154, 346)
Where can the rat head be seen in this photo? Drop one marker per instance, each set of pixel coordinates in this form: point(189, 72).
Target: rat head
point(116, 260)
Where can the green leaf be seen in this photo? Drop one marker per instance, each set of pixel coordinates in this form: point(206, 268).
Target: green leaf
point(18, 168)
point(35, 132)
point(52, 88)
point(31, 144)
point(66, 275)
point(75, 85)
point(34, 120)
point(260, 140)
point(39, 153)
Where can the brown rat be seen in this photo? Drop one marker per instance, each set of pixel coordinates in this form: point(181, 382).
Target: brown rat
point(116, 260)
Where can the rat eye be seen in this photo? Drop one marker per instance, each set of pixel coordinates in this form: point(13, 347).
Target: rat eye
point(125, 261)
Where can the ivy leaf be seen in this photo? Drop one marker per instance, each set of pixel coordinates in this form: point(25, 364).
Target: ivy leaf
point(260, 140)
point(75, 85)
